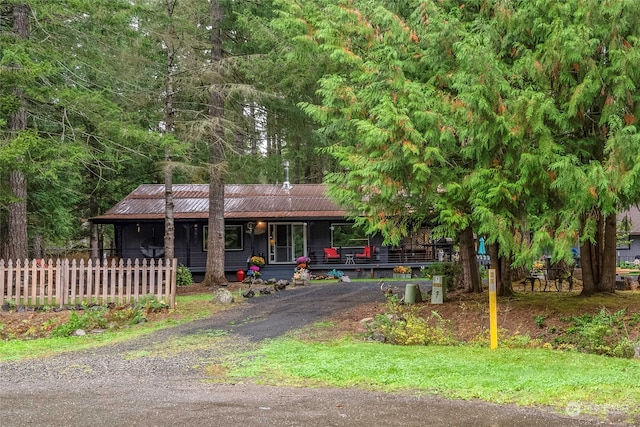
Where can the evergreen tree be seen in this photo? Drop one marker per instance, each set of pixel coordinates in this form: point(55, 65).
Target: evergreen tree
point(577, 61)
point(83, 147)
point(389, 123)
point(515, 119)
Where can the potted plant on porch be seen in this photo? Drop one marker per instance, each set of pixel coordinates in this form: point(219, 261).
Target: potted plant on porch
point(302, 273)
point(255, 264)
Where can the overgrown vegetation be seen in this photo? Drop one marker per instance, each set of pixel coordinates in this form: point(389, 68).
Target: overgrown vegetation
point(19, 339)
point(100, 317)
point(401, 324)
point(603, 333)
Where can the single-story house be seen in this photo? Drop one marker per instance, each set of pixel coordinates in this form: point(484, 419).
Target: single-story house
point(278, 222)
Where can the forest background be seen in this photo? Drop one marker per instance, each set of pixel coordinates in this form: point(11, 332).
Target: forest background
point(514, 120)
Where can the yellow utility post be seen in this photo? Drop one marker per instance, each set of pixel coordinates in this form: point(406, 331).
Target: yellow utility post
point(493, 310)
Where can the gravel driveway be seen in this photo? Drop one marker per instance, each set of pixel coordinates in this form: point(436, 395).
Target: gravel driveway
point(148, 382)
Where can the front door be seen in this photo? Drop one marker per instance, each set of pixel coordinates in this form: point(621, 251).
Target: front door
point(287, 241)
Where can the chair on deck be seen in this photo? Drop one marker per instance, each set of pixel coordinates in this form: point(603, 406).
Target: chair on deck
point(331, 255)
point(365, 255)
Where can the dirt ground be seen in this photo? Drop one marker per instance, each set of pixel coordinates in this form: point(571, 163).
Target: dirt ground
point(468, 314)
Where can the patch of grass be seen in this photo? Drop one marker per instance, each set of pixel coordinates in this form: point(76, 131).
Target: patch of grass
point(20, 349)
point(523, 377)
point(323, 325)
point(197, 306)
point(189, 308)
point(317, 331)
point(176, 345)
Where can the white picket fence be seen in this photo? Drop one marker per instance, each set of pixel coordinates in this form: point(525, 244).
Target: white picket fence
point(65, 282)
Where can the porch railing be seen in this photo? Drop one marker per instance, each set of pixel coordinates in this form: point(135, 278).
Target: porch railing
point(65, 282)
point(423, 254)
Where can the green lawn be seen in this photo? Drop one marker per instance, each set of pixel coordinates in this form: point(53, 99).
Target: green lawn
point(588, 383)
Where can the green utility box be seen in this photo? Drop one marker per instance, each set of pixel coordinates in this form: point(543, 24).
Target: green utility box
point(412, 294)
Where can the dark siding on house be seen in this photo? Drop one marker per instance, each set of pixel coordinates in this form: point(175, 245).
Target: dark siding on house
point(628, 253)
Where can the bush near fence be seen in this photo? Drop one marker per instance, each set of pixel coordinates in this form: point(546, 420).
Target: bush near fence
point(65, 282)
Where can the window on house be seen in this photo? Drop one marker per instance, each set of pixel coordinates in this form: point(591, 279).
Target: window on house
point(233, 240)
point(344, 235)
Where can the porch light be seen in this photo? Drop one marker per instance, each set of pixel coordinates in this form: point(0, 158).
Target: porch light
point(260, 228)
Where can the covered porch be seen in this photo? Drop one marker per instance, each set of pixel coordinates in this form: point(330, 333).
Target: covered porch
point(380, 264)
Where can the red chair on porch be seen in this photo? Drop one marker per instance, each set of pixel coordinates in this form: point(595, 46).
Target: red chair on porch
point(331, 254)
point(365, 255)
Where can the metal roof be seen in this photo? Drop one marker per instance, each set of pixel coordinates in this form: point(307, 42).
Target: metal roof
point(259, 201)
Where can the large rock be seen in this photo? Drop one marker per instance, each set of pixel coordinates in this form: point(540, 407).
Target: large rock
point(281, 285)
point(222, 296)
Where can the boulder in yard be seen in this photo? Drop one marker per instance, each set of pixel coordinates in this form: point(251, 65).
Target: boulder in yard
point(222, 296)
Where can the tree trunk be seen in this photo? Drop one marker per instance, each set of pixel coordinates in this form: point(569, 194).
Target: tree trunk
point(38, 246)
point(469, 261)
point(17, 218)
point(608, 279)
point(502, 265)
point(215, 241)
point(598, 258)
point(17, 221)
point(505, 285)
point(95, 254)
point(169, 224)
